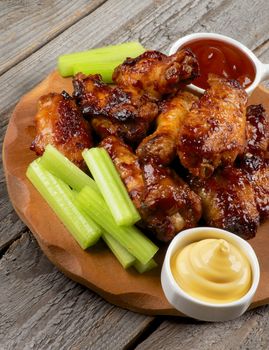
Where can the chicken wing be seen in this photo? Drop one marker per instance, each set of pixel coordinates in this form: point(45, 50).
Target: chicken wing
point(126, 114)
point(169, 205)
point(161, 146)
point(213, 133)
point(156, 74)
point(256, 168)
point(228, 201)
point(165, 203)
point(257, 129)
point(59, 122)
point(255, 161)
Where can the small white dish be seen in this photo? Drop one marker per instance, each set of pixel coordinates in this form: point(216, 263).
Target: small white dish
point(262, 70)
point(197, 308)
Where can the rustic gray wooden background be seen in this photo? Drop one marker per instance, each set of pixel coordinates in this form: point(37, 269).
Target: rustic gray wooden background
point(39, 307)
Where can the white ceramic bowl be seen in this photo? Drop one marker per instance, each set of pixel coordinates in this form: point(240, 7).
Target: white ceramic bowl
point(196, 308)
point(262, 70)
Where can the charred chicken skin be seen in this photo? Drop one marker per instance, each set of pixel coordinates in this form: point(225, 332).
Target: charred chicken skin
point(113, 110)
point(237, 198)
point(228, 201)
point(156, 74)
point(161, 146)
point(165, 202)
point(59, 122)
point(255, 161)
point(213, 133)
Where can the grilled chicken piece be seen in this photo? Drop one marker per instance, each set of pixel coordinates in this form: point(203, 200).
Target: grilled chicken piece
point(228, 201)
point(161, 146)
point(169, 204)
point(213, 133)
point(59, 122)
point(121, 113)
point(256, 168)
point(257, 129)
point(255, 161)
point(131, 132)
point(165, 203)
point(156, 74)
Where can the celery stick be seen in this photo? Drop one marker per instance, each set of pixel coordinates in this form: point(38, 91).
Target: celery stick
point(123, 256)
point(105, 69)
point(141, 268)
point(129, 237)
point(111, 186)
point(102, 54)
point(60, 166)
point(60, 198)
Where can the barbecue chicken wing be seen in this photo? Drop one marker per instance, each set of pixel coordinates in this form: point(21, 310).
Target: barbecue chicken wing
point(256, 168)
point(121, 113)
point(237, 197)
point(156, 74)
point(257, 129)
point(165, 203)
point(228, 201)
point(213, 133)
point(169, 205)
point(161, 146)
point(255, 161)
point(59, 122)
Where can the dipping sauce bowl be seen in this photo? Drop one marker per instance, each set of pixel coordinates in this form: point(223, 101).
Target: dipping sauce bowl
point(196, 307)
point(261, 70)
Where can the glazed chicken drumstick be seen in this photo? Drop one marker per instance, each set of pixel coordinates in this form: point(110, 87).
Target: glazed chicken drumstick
point(213, 134)
point(59, 122)
point(161, 146)
point(164, 201)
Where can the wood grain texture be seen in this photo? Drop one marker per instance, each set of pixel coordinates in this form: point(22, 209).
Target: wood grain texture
point(141, 293)
point(31, 24)
point(250, 331)
point(156, 24)
point(10, 225)
point(42, 309)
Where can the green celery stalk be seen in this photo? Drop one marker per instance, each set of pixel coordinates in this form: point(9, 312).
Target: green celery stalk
point(141, 268)
point(105, 69)
point(110, 53)
point(129, 237)
point(123, 256)
point(61, 199)
point(111, 186)
point(60, 166)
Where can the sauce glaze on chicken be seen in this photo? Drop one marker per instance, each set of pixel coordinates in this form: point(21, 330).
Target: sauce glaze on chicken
point(180, 157)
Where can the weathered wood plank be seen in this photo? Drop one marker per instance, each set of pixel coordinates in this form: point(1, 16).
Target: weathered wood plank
point(250, 331)
point(10, 224)
point(42, 309)
point(26, 26)
point(155, 23)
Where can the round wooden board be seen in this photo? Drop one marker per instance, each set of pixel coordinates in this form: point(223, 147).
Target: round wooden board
point(95, 268)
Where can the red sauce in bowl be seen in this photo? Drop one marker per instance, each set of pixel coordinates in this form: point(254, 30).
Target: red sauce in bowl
point(219, 57)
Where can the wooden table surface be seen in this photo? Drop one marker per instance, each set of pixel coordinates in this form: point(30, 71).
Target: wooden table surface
point(39, 307)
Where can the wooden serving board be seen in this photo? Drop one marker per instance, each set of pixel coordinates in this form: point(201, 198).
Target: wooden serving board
point(95, 268)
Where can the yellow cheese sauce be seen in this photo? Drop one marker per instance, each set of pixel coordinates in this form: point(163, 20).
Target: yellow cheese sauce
point(212, 270)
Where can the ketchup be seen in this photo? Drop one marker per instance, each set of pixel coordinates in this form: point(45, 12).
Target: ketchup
point(219, 57)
